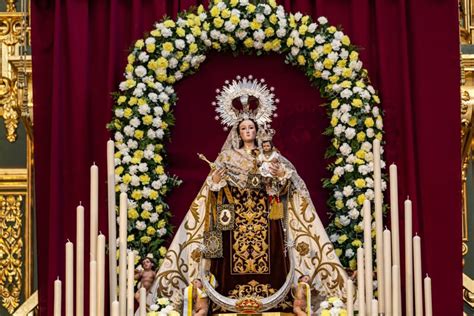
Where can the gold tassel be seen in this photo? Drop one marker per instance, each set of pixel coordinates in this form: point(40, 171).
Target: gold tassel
point(276, 210)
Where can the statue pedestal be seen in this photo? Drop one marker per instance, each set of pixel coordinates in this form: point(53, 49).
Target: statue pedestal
point(256, 314)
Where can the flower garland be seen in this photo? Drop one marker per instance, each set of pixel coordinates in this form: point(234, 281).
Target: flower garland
point(143, 107)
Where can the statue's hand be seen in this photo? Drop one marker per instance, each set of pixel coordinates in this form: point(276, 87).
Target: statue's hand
point(276, 170)
point(217, 175)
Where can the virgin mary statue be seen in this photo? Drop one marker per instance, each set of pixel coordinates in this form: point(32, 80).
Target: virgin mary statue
point(252, 227)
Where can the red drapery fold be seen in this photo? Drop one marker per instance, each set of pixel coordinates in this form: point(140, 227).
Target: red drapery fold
point(410, 48)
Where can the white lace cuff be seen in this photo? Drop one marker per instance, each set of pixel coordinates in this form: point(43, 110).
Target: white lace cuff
point(215, 186)
point(286, 176)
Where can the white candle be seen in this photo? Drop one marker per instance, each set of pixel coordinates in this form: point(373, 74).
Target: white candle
point(350, 297)
point(378, 201)
point(112, 223)
point(69, 279)
point(394, 223)
point(93, 288)
point(94, 210)
point(57, 297)
point(396, 306)
point(375, 308)
point(123, 254)
point(418, 276)
point(360, 281)
point(428, 299)
point(80, 260)
point(142, 307)
point(131, 283)
point(100, 274)
point(115, 308)
point(387, 260)
point(408, 259)
point(368, 256)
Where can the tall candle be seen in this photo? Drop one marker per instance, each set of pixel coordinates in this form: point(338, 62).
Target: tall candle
point(387, 261)
point(92, 288)
point(368, 256)
point(112, 223)
point(57, 297)
point(115, 308)
point(80, 260)
point(408, 259)
point(123, 254)
point(142, 308)
point(94, 208)
point(378, 201)
point(350, 297)
point(375, 308)
point(69, 279)
point(428, 299)
point(418, 276)
point(131, 283)
point(394, 223)
point(100, 274)
point(397, 307)
point(360, 281)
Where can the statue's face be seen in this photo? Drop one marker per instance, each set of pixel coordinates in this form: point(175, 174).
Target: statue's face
point(267, 147)
point(247, 131)
point(197, 283)
point(147, 264)
point(304, 278)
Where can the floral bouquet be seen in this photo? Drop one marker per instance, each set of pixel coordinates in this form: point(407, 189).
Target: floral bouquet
point(162, 307)
point(333, 306)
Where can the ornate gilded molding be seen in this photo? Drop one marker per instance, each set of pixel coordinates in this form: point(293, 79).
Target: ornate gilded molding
point(11, 247)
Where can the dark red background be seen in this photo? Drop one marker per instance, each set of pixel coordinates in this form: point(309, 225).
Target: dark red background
point(410, 48)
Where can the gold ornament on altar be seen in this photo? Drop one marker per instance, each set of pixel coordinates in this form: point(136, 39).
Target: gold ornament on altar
point(248, 305)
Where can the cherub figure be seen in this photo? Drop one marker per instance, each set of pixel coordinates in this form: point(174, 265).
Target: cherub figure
point(145, 276)
point(196, 302)
point(302, 302)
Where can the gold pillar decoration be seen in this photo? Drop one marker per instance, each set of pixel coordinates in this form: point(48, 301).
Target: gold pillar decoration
point(11, 247)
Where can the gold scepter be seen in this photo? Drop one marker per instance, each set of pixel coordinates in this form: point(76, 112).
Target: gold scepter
point(211, 164)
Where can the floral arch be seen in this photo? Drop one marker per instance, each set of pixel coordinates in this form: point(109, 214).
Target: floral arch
point(143, 110)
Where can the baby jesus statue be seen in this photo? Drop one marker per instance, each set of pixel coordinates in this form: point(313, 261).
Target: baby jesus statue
point(145, 276)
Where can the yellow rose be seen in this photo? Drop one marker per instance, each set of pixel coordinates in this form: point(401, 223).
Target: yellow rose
point(145, 214)
point(248, 42)
point(357, 103)
point(342, 239)
point(267, 46)
point(289, 41)
point(225, 13)
point(216, 46)
point(337, 222)
point(169, 23)
point(179, 55)
point(135, 161)
point(159, 209)
point(379, 136)
point(327, 48)
point(254, 25)
point(214, 11)
point(157, 158)
point(145, 239)
point(161, 76)
point(138, 134)
point(317, 74)
point(272, 3)
point(121, 99)
point(141, 101)
point(345, 40)
point(126, 178)
point(180, 32)
point(251, 8)
point(347, 72)
point(168, 46)
point(360, 183)
point(335, 143)
point(342, 63)
point(332, 29)
point(131, 83)
point(184, 66)
point(334, 121)
point(338, 253)
point(196, 31)
point(301, 60)
point(276, 44)
point(130, 238)
point(360, 137)
point(166, 107)
point(156, 33)
point(269, 31)
point(127, 113)
point(346, 84)
point(360, 199)
point(131, 58)
point(206, 26)
point(118, 170)
point(309, 42)
point(334, 79)
point(171, 79)
point(145, 179)
point(358, 228)
point(218, 22)
point(302, 29)
point(356, 243)
point(332, 299)
point(314, 55)
point(162, 251)
point(338, 160)
point(343, 312)
point(133, 101)
point(339, 204)
point(159, 170)
point(352, 121)
point(136, 195)
point(234, 19)
point(164, 125)
point(147, 119)
point(161, 223)
point(153, 195)
point(335, 104)
point(129, 68)
point(376, 98)
point(334, 179)
point(369, 122)
point(353, 55)
point(152, 64)
point(328, 63)
point(139, 44)
point(150, 230)
point(150, 47)
point(325, 312)
point(360, 154)
point(353, 264)
point(273, 19)
point(132, 213)
point(234, 2)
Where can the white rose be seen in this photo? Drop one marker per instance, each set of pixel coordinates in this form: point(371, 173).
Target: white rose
point(154, 307)
point(363, 169)
point(349, 168)
point(144, 109)
point(267, 9)
point(281, 32)
point(241, 34)
point(379, 123)
point(203, 16)
point(123, 188)
point(160, 133)
point(349, 254)
point(350, 132)
point(371, 89)
point(333, 238)
point(178, 75)
point(345, 149)
point(143, 167)
point(370, 132)
point(244, 24)
point(347, 191)
point(312, 27)
point(165, 53)
point(346, 93)
point(338, 195)
point(257, 45)
point(126, 159)
point(135, 181)
point(147, 206)
point(353, 213)
point(344, 54)
point(325, 74)
point(158, 110)
point(181, 22)
point(132, 144)
point(162, 232)
point(351, 203)
point(339, 171)
point(318, 65)
point(282, 22)
point(123, 86)
point(118, 136)
point(154, 217)
point(345, 118)
point(375, 111)
point(369, 194)
point(163, 97)
point(119, 112)
point(345, 108)
point(180, 44)
point(153, 97)
point(298, 16)
point(135, 122)
point(166, 32)
point(345, 220)
point(229, 26)
point(156, 185)
point(150, 40)
point(163, 178)
point(260, 18)
point(128, 130)
point(143, 57)
point(351, 159)
point(146, 192)
point(207, 42)
point(173, 63)
point(158, 86)
point(338, 130)
point(299, 42)
point(215, 34)
point(151, 134)
point(336, 45)
point(156, 122)
point(295, 51)
point(169, 90)
point(319, 39)
point(140, 225)
point(322, 20)
point(117, 161)
point(369, 182)
point(336, 87)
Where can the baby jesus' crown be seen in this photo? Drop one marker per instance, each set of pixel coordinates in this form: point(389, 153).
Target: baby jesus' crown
point(245, 91)
point(267, 135)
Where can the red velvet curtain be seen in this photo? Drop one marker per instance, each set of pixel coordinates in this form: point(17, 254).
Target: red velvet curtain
point(410, 48)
